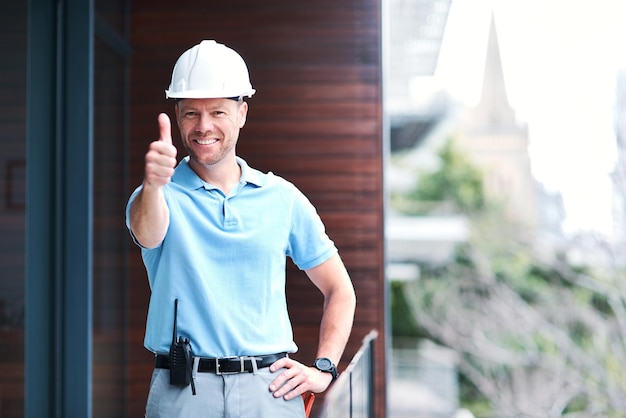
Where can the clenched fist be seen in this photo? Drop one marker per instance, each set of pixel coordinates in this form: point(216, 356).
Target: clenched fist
point(161, 156)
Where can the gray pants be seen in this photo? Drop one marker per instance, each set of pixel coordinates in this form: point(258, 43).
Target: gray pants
point(243, 395)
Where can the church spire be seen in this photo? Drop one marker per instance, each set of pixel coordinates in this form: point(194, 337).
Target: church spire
point(493, 109)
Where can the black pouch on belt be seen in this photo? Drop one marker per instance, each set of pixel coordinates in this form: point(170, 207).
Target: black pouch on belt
point(181, 359)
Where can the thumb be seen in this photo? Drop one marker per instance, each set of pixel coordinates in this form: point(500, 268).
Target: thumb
point(165, 128)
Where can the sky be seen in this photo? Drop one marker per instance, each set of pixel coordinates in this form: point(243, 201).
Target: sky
point(560, 59)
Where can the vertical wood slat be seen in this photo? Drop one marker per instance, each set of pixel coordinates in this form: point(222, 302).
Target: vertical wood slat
point(13, 41)
point(316, 120)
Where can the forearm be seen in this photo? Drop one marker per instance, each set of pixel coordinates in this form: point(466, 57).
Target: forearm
point(332, 279)
point(149, 216)
point(336, 323)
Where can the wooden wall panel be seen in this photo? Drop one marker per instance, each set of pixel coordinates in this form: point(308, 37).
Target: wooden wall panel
point(13, 41)
point(315, 120)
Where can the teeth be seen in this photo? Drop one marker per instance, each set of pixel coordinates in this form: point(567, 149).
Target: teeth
point(206, 141)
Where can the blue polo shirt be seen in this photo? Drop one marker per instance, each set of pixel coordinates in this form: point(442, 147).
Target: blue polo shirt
point(224, 259)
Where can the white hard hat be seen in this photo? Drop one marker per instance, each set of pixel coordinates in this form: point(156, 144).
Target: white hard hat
point(209, 70)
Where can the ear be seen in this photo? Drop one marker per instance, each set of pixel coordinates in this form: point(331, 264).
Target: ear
point(243, 113)
point(177, 113)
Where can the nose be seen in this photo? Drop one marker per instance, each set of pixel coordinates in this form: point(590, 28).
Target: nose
point(204, 123)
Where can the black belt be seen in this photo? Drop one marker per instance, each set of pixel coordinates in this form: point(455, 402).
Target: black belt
point(225, 365)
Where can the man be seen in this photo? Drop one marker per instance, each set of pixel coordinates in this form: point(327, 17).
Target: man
point(214, 235)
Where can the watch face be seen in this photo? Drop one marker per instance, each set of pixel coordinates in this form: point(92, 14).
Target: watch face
point(323, 364)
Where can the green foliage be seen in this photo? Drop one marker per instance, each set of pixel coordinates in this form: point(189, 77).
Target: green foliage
point(456, 181)
point(471, 398)
point(548, 274)
point(578, 404)
point(402, 322)
point(601, 304)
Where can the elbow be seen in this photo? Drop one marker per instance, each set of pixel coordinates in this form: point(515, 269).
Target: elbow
point(146, 241)
point(146, 235)
point(348, 296)
point(352, 299)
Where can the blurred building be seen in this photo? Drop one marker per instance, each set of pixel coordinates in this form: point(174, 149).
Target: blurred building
point(550, 238)
point(415, 30)
point(421, 119)
point(415, 113)
point(498, 143)
point(422, 382)
point(619, 173)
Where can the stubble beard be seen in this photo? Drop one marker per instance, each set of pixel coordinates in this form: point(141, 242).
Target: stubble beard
point(209, 161)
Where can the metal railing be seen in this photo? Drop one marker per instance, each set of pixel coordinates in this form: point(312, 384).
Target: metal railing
point(352, 394)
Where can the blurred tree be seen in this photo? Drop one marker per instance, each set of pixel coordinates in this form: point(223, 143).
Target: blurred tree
point(537, 337)
point(402, 322)
point(457, 183)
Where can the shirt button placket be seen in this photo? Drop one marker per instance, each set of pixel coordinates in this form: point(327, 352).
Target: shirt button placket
point(230, 218)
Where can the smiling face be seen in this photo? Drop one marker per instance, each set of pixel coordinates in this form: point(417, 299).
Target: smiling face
point(209, 129)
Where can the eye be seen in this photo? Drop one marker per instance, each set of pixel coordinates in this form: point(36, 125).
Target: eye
point(190, 114)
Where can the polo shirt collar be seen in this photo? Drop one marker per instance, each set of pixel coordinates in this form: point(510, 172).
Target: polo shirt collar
point(249, 174)
point(187, 178)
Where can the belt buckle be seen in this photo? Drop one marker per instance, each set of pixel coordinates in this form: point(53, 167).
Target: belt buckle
point(220, 373)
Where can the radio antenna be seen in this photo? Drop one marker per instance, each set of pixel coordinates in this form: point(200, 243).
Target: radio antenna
point(175, 317)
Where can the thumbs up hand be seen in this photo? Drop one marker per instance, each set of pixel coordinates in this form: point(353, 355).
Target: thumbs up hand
point(161, 156)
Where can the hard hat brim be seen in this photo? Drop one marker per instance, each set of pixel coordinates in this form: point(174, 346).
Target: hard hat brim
point(206, 94)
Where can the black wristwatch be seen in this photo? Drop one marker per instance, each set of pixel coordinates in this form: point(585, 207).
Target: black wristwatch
point(325, 365)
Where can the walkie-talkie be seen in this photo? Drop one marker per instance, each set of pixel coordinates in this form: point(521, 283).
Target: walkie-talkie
point(181, 358)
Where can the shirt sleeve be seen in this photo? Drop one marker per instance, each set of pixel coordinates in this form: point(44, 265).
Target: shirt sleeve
point(309, 245)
